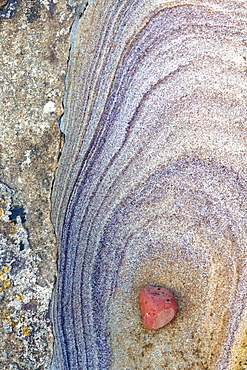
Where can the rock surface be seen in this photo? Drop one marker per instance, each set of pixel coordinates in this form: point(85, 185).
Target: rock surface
point(151, 186)
point(153, 173)
point(34, 50)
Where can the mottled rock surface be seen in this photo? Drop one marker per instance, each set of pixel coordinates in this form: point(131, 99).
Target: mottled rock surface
point(153, 192)
point(34, 50)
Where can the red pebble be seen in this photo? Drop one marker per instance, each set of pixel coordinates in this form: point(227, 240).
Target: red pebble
point(158, 306)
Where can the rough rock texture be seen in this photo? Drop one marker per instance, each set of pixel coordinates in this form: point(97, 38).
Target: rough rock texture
point(151, 186)
point(34, 49)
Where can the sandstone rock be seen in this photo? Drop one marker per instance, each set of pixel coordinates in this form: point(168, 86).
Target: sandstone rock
point(151, 186)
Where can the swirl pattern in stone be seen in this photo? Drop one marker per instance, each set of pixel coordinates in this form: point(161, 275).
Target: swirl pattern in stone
point(151, 186)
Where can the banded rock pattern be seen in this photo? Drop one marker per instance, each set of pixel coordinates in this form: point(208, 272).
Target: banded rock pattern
point(151, 187)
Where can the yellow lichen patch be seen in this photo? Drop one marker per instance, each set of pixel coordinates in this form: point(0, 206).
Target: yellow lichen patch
point(7, 228)
point(19, 296)
point(25, 330)
point(13, 228)
point(4, 277)
point(5, 269)
point(2, 274)
point(1, 212)
point(2, 204)
point(6, 283)
point(13, 323)
point(5, 313)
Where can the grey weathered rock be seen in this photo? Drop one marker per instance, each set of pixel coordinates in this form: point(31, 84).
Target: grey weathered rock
point(34, 50)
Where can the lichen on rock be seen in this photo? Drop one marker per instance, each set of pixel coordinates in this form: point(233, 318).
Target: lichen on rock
point(23, 302)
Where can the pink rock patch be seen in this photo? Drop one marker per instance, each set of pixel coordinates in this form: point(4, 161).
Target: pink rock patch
point(158, 306)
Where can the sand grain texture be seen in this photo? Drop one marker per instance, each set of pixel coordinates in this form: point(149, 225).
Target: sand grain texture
point(151, 186)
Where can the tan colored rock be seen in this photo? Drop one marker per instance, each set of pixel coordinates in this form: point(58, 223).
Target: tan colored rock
point(151, 186)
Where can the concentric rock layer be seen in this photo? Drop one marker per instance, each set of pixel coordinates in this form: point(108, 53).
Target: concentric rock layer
point(151, 186)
